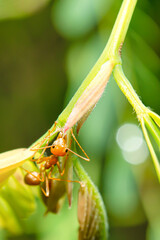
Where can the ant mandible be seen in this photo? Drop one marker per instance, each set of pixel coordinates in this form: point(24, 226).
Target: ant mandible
point(58, 149)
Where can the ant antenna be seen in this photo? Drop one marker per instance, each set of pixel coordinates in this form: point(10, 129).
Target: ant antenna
point(43, 147)
point(86, 159)
point(50, 133)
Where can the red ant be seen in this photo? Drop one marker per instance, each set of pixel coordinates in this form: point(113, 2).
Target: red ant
point(58, 149)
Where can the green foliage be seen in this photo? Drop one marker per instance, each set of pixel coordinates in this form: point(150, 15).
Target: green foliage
point(131, 193)
point(17, 202)
point(17, 8)
point(74, 19)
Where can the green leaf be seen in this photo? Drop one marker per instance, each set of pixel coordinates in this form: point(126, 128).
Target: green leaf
point(151, 149)
point(153, 129)
point(17, 200)
point(19, 195)
point(8, 218)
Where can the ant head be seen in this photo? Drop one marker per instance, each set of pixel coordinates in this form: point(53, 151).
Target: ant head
point(59, 147)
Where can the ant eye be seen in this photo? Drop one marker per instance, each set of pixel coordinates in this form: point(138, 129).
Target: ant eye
point(66, 150)
point(53, 147)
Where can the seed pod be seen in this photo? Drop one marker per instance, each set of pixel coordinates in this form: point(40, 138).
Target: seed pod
point(82, 207)
point(89, 216)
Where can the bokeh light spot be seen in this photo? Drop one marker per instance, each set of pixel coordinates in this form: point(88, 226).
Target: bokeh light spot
point(130, 139)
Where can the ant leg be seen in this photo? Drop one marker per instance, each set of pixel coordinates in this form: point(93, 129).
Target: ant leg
point(59, 168)
point(50, 172)
point(48, 136)
point(44, 149)
point(39, 160)
point(34, 149)
point(46, 193)
point(42, 159)
point(47, 186)
point(65, 180)
point(49, 133)
point(33, 160)
point(40, 143)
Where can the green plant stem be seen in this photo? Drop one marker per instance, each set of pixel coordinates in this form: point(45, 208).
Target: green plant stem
point(129, 92)
point(110, 52)
point(120, 29)
point(141, 111)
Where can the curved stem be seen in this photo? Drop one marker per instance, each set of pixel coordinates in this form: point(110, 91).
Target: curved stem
point(128, 91)
point(110, 52)
point(141, 111)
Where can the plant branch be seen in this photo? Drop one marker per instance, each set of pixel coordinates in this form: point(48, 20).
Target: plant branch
point(120, 29)
point(110, 52)
point(128, 91)
point(143, 113)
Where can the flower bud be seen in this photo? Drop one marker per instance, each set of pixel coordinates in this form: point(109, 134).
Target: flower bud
point(91, 95)
point(89, 215)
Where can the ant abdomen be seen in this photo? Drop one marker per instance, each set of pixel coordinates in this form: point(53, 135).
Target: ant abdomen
point(32, 178)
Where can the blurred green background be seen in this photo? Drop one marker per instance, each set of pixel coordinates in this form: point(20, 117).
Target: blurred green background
point(46, 50)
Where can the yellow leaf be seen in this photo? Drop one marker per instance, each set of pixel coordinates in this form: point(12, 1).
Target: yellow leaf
point(10, 160)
